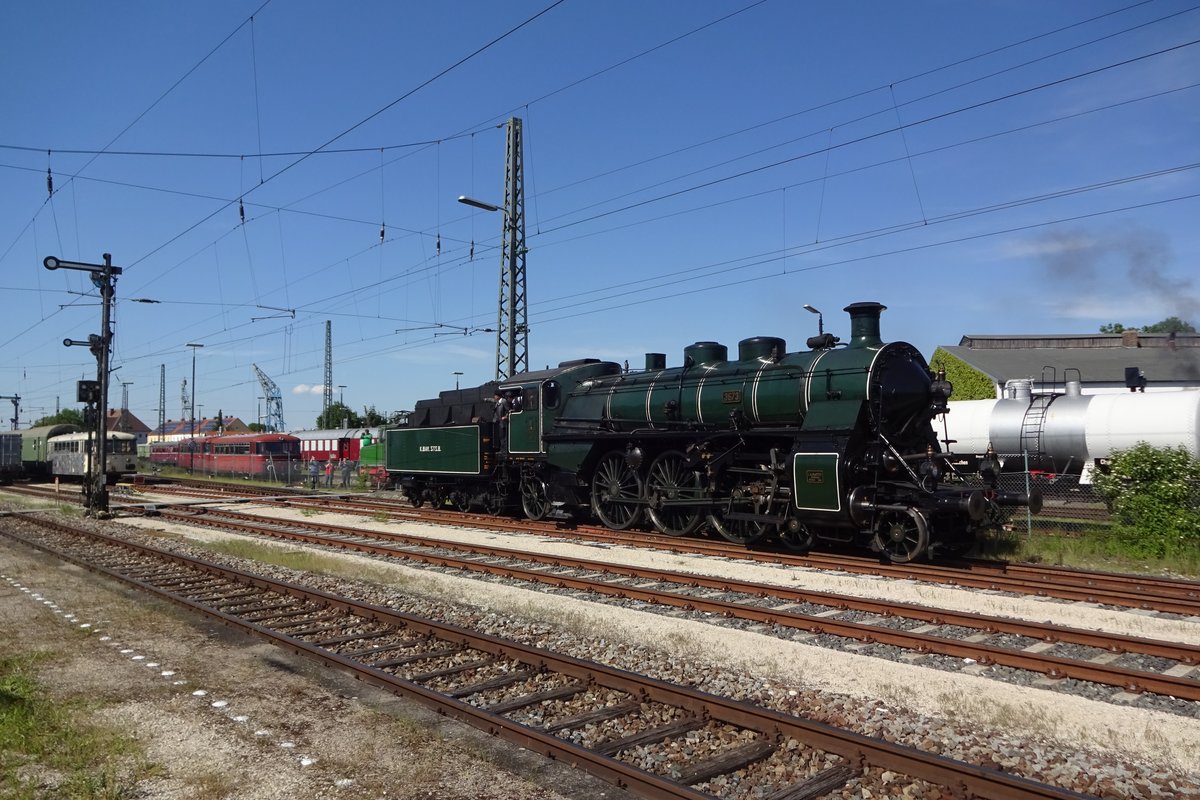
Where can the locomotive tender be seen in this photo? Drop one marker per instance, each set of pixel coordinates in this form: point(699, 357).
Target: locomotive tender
point(832, 444)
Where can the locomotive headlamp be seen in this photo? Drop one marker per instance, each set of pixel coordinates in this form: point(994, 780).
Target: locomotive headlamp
point(989, 466)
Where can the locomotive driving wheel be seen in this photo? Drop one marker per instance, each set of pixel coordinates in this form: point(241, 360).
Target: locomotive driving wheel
point(670, 479)
point(616, 492)
point(534, 500)
point(740, 531)
point(902, 536)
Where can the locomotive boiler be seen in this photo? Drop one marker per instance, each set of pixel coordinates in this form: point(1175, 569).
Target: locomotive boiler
point(830, 444)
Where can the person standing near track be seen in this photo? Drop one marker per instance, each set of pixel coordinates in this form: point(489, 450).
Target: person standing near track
point(329, 474)
point(312, 473)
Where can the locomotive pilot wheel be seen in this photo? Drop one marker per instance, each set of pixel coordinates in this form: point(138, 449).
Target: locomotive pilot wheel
point(796, 536)
point(670, 480)
point(902, 536)
point(616, 492)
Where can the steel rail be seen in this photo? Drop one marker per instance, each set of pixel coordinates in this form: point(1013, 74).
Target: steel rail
point(1053, 666)
point(1179, 596)
point(966, 779)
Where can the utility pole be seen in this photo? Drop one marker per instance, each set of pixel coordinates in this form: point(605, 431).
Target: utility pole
point(328, 388)
point(162, 400)
point(104, 279)
point(16, 401)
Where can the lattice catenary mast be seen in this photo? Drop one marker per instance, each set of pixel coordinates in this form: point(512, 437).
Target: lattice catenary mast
point(328, 394)
point(162, 398)
point(512, 328)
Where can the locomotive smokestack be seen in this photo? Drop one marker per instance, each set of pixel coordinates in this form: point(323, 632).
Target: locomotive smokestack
point(864, 324)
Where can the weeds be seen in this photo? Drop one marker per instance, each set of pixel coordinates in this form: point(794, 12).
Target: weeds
point(1096, 549)
point(48, 749)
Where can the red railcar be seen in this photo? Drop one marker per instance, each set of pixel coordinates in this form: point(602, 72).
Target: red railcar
point(258, 455)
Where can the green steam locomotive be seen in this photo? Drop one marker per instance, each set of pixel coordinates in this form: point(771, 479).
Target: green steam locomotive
point(832, 444)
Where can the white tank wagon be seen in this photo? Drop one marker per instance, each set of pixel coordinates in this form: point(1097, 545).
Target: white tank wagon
point(1070, 432)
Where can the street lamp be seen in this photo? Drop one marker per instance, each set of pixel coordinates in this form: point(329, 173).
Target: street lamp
point(341, 394)
point(820, 318)
point(193, 345)
point(512, 324)
point(471, 201)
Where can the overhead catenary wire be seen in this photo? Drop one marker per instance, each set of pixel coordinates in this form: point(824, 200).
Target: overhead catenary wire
point(279, 216)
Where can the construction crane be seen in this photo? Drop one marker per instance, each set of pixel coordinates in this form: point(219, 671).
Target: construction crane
point(16, 401)
point(274, 401)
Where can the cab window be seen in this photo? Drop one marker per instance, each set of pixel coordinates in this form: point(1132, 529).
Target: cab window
point(551, 391)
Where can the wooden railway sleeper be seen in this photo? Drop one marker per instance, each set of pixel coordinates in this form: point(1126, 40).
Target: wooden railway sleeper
point(330, 626)
point(371, 651)
point(726, 762)
point(820, 785)
point(261, 607)
point(498, 682)
point(516, 703)
point(353, 637)
point(295, 623)
point(422, 677)
point(415, 657)
point(595, 715)
point(651, 736)
point(267, 615)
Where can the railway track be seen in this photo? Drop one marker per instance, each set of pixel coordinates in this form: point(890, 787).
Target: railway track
point(1131, 591)
point(623, 727)
point(1054, 651)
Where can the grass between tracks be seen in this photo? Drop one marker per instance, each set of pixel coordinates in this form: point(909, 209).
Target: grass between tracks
point(305, 560)
point(1098, 550)
point(51, 748)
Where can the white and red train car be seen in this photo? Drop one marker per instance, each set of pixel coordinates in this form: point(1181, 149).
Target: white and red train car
point(265, 455)
point(336, 444)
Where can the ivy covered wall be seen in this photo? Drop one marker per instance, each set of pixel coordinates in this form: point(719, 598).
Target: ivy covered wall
point(969, 383)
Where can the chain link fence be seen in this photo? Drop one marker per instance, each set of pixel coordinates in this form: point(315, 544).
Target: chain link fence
point(1070, 505)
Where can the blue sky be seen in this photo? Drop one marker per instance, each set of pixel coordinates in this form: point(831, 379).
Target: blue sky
point(693, 171)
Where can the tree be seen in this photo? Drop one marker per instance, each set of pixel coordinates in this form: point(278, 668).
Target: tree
point(371, 418)
point(1153, 493)
point(1168, 325)
point(256, 427)
point(219, 426)
point(968, 382)
point(337, 414)
point(68, 416)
